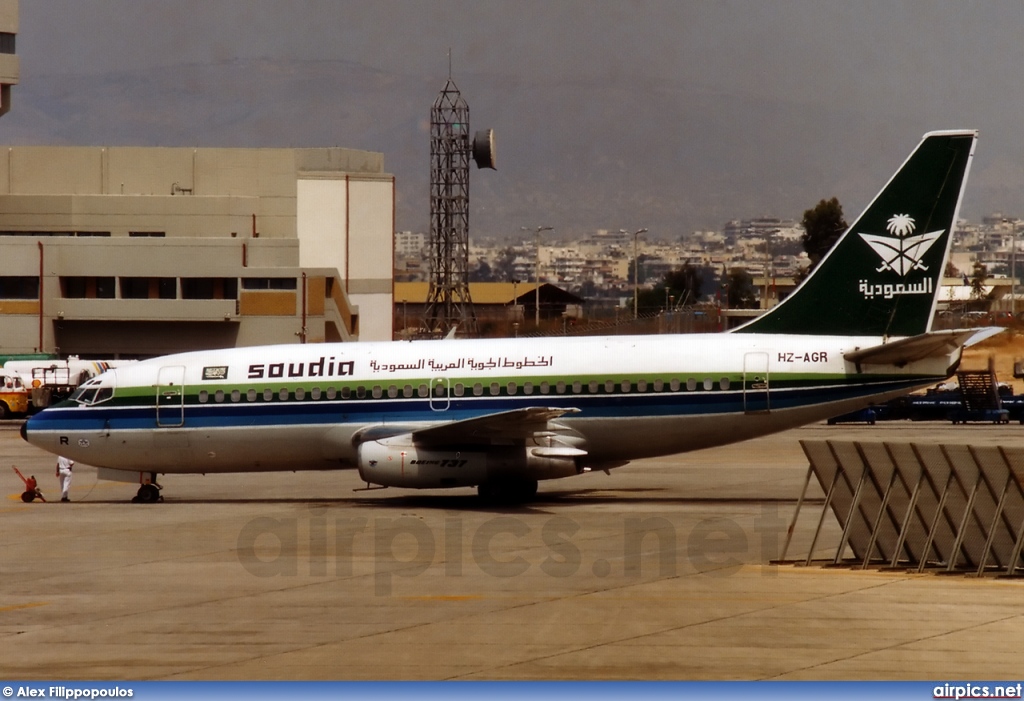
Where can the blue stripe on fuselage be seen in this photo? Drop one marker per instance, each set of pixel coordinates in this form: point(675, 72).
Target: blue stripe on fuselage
point(418, 410)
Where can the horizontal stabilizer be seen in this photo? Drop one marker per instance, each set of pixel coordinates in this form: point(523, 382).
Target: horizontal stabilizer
point(935, 344)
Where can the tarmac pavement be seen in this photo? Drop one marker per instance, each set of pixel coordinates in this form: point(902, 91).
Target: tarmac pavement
point(664, 569)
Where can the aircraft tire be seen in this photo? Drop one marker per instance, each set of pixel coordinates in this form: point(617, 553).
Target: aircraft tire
point(147, 494)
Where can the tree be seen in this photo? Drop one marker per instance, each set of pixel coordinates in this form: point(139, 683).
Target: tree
point(823, 225)
point(684, 284)
point(740, 290)
point(503, 270)
point(680, 287)
point(978, 276)
point(481, 272)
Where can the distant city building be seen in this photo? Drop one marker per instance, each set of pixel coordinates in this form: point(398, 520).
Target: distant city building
point(410, 243)
point(762, 227)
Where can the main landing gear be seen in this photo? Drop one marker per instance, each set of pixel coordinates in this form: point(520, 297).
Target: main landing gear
point(508, 491)
point(149, 491)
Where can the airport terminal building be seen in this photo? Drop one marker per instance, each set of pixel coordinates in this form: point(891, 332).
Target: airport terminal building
point(134, 252)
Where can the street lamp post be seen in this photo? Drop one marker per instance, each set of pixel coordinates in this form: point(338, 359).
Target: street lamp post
point(1013, 272)
point(515, 306)
point(636, 279)
point(537, 272)
point(1013, 265)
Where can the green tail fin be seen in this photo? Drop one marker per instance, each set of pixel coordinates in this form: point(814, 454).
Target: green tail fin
point(883, 276)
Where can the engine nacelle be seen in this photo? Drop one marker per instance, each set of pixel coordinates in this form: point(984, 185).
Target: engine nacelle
point(396, 462)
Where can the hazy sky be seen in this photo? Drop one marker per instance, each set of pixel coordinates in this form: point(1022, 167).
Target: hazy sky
point(892, 69)
point(922, 54)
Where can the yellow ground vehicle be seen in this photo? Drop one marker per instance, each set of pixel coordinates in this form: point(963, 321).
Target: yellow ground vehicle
point(13, 396)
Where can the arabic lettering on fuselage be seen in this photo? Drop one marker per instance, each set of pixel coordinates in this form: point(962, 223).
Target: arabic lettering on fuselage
point(463, 364)
point(890, 290)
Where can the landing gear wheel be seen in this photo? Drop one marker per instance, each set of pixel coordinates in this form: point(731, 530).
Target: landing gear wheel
point(148, 494)
point(508, 491)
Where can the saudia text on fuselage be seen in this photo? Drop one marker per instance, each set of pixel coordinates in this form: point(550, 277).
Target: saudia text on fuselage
point(324, 367)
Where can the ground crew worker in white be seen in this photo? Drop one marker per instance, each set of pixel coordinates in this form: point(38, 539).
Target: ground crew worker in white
point(64, 466)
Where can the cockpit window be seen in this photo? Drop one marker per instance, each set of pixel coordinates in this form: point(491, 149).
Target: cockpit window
point(91, 393)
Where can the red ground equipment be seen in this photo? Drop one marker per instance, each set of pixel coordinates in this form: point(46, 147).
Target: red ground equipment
point(32, 491)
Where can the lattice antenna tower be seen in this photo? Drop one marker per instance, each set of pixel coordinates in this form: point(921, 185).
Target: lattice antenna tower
point(448, 301)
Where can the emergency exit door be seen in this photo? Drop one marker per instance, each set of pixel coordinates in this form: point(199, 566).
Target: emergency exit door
point(170, 396)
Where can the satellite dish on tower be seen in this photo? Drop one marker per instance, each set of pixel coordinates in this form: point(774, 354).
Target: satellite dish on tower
point(484, 154)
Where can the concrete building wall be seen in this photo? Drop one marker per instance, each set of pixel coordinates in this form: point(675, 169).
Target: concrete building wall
point(371, 251)
point(349, 224)
point(322, 213)
point(251, 248)
point(10, 66)
point(9, 16)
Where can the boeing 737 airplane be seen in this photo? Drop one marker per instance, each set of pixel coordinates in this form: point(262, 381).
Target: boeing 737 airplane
point(501, 414)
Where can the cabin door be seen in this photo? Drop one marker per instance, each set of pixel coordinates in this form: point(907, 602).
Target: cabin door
point(170, 396)
point(755, 383)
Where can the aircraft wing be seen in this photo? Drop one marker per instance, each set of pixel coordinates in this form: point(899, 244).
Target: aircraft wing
point(934, 344)
point(529, 422)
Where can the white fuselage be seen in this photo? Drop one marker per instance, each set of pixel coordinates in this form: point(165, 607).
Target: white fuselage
point(308, 406)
